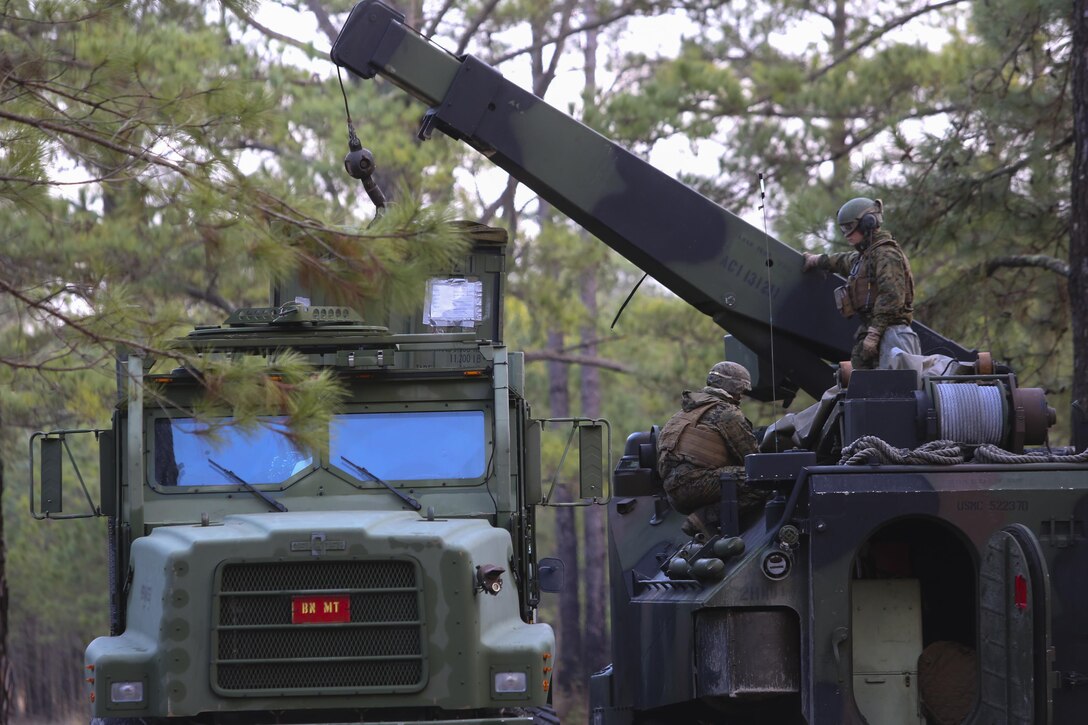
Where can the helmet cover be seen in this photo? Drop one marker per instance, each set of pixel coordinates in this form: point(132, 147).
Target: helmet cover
point(731, 377)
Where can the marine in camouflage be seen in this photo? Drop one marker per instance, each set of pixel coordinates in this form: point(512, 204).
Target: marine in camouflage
point(693, 481)
point(881, 289)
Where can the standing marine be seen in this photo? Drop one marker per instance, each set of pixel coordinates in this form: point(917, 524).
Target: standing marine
point(879, 287)
point(708, 438)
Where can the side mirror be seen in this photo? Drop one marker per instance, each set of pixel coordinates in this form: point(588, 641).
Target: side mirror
point(552, 574)
point(47, 474)
point(594, 448)
point(107, 473)
point(52, 450)
point(590, 464)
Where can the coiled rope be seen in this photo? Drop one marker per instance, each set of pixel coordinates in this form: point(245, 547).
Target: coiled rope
point(993, 454)
point(873, 450)
point(870, 450)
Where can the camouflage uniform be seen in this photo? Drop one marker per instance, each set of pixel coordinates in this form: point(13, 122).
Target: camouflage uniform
point(692, 480)
point(882, 291)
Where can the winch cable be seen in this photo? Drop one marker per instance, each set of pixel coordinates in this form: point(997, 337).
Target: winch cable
point(970, 413)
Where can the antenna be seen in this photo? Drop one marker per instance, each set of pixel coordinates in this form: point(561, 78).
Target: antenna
point(770, 303)
point(629, 296)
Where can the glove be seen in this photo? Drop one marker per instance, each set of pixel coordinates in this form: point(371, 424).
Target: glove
point(870, 347)
point(811, 261)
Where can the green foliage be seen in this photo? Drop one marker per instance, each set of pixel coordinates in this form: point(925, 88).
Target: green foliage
point(250, 387)
point(157, 172)
point(968, 141)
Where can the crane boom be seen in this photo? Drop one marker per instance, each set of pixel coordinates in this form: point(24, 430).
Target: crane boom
point(748, 282)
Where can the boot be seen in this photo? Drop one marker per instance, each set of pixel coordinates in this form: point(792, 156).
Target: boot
point(703, 521)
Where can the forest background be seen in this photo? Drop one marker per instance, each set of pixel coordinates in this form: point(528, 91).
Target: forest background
point(160, 159)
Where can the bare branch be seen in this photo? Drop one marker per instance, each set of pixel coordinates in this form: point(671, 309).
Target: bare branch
point(436, 20)
point(619, 13)
point(1041, 261)
point(134, 152)
point(879, 33)
point(211, 297)
point(593, 342)
point(597, 362)
point(323, 20)
point(307, 48)
point(470, 31)
point(82, 329)
point(542, 83)
point(52, 21)
point(47, 368)
point(504, 199)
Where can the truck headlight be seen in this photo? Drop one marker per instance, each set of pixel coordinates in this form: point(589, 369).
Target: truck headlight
point(126, 692)
point(510, 682)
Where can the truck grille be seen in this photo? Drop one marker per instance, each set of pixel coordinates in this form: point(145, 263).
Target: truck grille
point(258, 650)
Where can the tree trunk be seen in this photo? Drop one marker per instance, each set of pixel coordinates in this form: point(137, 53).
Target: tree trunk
point(5, 699)
point(597, 649)
point(570, 671)
point(837, 137)
point(570, 668)
point(1078, 234)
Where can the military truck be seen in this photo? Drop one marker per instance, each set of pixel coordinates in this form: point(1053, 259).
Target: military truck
point(920, 558)
point(391, 576)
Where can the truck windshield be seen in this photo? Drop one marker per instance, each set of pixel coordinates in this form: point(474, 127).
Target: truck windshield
point(400, 446)
point(412, 446)
point(185, 447)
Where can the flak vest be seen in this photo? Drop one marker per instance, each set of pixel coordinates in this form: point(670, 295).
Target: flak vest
point(857, 295)
point(681, 436)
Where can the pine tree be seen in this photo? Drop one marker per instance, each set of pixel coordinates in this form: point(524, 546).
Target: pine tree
point(158, 168)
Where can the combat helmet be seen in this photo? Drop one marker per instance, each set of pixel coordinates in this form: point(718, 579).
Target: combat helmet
point(730, 377)
point(861, 212)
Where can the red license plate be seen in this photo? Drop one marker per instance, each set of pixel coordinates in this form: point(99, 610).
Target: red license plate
point(320, 610)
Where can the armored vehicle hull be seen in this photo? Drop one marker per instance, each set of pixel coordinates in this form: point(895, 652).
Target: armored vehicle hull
point(828, 609)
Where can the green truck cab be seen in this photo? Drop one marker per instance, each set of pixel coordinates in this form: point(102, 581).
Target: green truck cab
point(389, 577)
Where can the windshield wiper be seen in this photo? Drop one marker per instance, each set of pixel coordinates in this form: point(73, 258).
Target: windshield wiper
point(399, 494)
point(276, 505)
